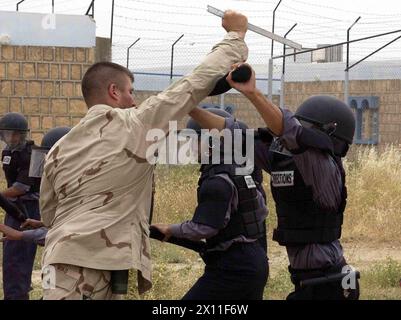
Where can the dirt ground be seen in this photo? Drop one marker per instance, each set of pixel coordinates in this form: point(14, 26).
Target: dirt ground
point(362, 256)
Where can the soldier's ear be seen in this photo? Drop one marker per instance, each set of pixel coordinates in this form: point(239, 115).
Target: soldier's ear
point(113, 91)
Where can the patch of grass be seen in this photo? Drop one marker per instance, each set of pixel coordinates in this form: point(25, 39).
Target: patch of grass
point(170, 281)
point(372, 215)
point(37, 292)
point(374, 201)
point(382, 281)
point(279, 285)
point(175, 198)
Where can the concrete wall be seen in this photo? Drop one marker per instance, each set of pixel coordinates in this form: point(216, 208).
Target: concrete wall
point(388, 91)
point(103, 49)
point(43, 83)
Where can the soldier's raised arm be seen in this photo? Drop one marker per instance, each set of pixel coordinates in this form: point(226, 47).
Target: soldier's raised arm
point(185, 94)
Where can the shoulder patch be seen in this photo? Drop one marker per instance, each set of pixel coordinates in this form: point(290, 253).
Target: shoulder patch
point(6, 160)
point(249, 182)
point(282, 178)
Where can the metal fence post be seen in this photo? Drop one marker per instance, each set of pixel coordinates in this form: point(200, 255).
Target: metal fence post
point(172, 58)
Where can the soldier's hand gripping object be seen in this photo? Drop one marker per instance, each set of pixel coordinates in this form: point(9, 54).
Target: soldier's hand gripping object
point(197, 246)
point(242, 74)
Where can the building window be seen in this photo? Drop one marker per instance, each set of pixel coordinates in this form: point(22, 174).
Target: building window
point(366, 110)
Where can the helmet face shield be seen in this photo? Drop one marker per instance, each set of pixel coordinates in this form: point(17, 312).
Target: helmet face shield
point(199, 146)
point(328, 128)
point(306, 124)
point(38, 157)
point(13, 138)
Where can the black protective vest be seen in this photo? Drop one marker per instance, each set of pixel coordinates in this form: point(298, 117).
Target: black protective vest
point(243, 221)
point(299, 219)
point(16, 167)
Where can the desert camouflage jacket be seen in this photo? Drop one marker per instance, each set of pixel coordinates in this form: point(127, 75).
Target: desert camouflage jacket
point(97, 185)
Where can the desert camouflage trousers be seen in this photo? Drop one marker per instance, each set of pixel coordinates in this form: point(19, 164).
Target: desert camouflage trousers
point(79, 283)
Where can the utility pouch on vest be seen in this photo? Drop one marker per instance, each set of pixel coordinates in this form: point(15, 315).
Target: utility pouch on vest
point(119, 281)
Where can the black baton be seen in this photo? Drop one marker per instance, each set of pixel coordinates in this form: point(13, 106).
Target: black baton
point(242, 74)
point(11, 209)
point(328, 278)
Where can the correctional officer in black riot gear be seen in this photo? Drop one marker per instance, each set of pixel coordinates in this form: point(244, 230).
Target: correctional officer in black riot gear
point(18, 256)
point(34, 230)
point(230, 216)
point(302, 153)
point(257, 173)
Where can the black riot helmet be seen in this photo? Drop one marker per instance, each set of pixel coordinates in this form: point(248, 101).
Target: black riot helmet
point(330, 115)
point(54, 135)
point(38, 154)
point(207, 138)
point(13, 129)
point(229, 152)
point(14, 121)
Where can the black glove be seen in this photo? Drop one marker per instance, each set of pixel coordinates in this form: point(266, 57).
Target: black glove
point(264, 135)
point(242, 74)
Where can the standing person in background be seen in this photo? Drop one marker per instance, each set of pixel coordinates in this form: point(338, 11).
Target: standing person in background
point(23, 191)
point(36, 232)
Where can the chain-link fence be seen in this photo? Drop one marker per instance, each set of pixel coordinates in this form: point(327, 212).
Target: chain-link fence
point(154, 68)
point(152, 58)
point(174, 38)
point(372, 90)
point(156, 62)
point(170, 49)
point(322, 66)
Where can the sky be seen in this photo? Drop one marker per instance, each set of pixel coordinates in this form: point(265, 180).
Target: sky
point(159, 23)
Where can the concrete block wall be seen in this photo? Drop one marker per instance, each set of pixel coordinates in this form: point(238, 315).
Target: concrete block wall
point(388, 91)
point(44, 83)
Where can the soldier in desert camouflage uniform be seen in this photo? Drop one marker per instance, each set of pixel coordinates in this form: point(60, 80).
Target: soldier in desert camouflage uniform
point(97, 185)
